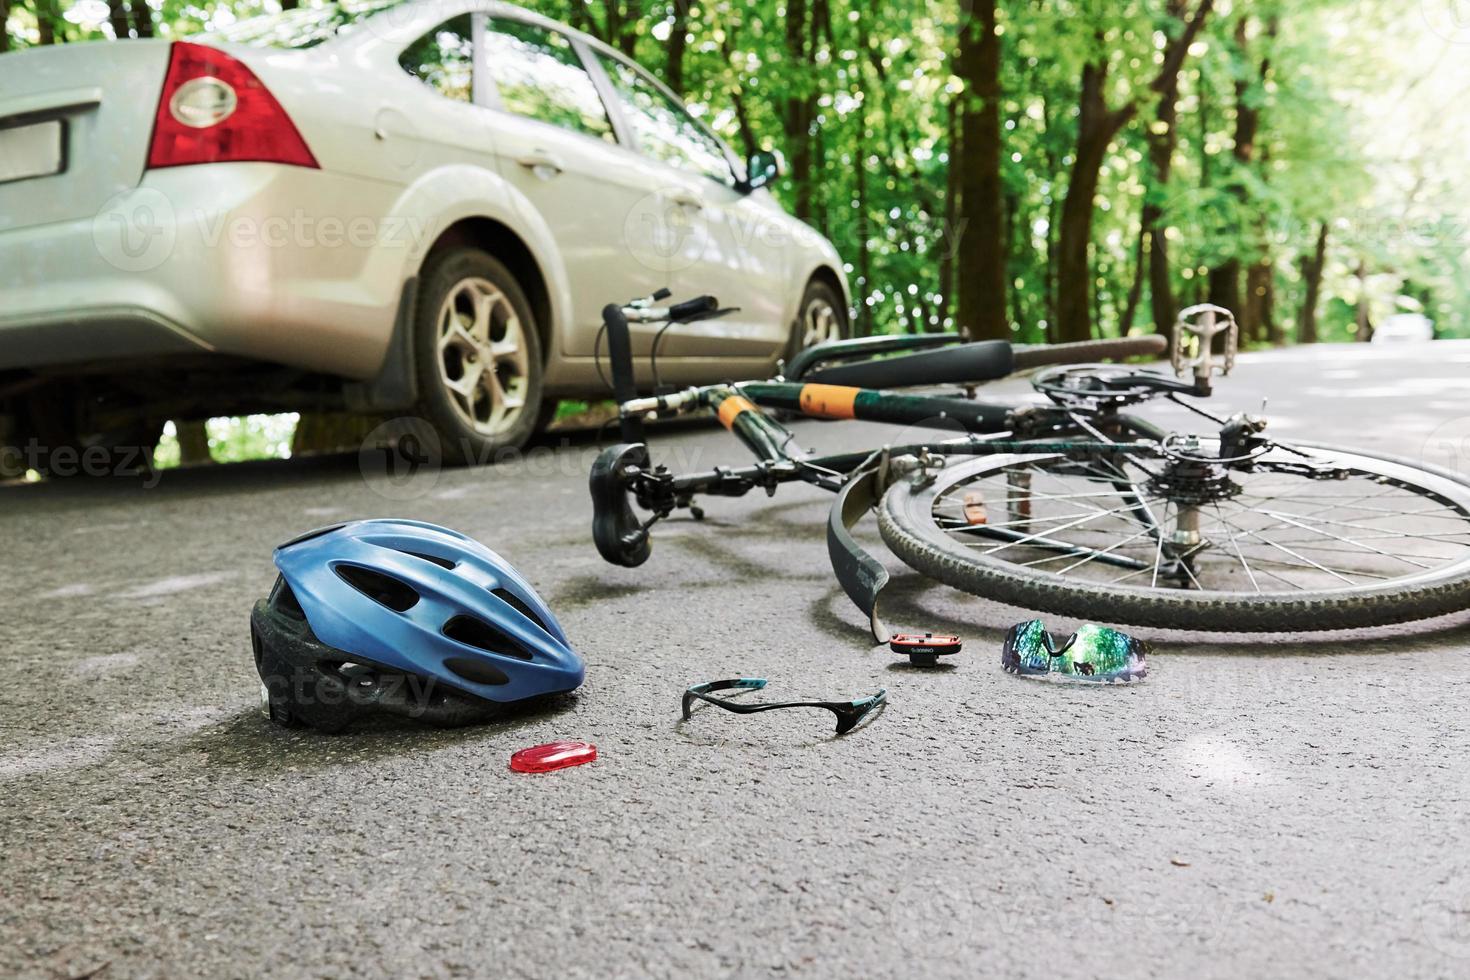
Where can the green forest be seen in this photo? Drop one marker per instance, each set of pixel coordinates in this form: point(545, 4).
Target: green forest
point(1053, 171)
point(1064, 169)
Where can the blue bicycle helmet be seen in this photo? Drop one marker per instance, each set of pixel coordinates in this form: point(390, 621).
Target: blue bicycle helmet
point(406, 618)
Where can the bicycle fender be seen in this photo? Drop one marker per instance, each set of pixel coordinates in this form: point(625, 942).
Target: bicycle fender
point(861, 575)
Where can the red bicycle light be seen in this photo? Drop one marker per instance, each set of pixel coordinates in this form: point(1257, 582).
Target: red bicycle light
point(214, 109)
point(553, 756)
point(925, 649)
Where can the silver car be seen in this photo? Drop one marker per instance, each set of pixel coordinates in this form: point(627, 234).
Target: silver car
point(387, 207)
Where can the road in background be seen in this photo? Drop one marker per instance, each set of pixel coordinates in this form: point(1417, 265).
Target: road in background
point(1262, 806)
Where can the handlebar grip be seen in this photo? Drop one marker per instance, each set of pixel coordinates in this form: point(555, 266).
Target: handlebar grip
point(986, 360)
point(692, 308)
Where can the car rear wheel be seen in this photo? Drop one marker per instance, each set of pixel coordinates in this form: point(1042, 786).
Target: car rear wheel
point(478, 357)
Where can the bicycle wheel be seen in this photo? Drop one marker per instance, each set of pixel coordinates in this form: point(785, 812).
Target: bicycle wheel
point(1088, 351)
point(1278, 547)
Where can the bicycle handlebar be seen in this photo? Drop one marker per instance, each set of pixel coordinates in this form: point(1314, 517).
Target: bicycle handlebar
point(643, 311)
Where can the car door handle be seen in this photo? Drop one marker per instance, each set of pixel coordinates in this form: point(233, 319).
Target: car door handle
point(688, 199)
point(541, 160)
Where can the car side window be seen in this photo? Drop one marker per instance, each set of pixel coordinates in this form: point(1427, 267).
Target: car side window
point(444, 59)
point(662, 128)
point(538, 75)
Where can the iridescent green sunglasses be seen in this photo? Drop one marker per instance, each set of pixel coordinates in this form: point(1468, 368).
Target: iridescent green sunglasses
point(1093, 653)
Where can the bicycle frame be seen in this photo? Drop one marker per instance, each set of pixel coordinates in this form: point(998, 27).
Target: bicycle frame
point(857, 479)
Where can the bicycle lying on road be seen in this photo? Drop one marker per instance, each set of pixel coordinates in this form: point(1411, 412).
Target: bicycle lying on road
point(1072, 505)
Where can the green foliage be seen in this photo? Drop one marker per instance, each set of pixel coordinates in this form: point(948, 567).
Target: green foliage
point(1359, 128)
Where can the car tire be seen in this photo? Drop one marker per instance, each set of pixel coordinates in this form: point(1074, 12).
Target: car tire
point(822, 316)
point(478, 357)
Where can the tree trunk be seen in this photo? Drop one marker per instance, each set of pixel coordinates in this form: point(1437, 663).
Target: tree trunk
point(1135, 291)
point(48, 14)
point(1163, 139)
point(4, 31)
point(1256, 323)
point(1247, 129)
point(193, 443)
point(1365, 313)
point(1274, 331)
point(799, 109)
point(981, 248)
point(1096, 127)
point(678, 41)
point(117, 16)
point(864, 258)
point(143, 16)
point(331, 432)
point(737, 97)
point(952, 174)
point(1306, 331)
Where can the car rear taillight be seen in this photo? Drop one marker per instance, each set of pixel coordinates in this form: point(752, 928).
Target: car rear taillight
point(215, 110)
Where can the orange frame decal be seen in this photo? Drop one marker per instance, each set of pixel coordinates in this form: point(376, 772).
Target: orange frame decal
point(732, 408)
point(828, 401)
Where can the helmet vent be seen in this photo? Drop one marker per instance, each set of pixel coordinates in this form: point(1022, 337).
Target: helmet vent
point(383, 589)
point(515, 602)
point(475, 632)
point(476, 671)
point(441, 562)
point(284, 600)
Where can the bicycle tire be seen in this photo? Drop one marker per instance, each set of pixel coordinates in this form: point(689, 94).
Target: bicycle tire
point(906, 524)
point(1088, 351)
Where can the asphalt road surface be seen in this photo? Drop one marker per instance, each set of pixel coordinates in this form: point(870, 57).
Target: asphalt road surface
point(1260, 806)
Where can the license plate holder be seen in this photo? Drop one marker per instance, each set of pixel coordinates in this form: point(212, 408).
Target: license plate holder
point(31, 150)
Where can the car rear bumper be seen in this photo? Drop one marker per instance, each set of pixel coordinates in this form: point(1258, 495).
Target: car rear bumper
point(267, 262)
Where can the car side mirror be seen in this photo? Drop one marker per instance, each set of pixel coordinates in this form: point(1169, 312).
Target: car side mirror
point(764, 166)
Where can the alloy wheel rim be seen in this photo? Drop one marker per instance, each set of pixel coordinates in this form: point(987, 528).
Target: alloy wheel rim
point(483, 362)
point(820, 324)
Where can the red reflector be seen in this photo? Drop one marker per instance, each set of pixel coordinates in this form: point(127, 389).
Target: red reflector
point(925, 649)
point(257, 129)
point(552, 756)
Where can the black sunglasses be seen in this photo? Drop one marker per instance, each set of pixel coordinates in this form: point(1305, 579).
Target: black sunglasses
point(848, 713)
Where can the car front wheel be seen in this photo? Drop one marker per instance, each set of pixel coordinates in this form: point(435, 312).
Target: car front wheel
point(478, 357)
point(821, 317)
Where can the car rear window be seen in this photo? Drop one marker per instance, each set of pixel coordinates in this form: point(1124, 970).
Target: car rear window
point(305, 27)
